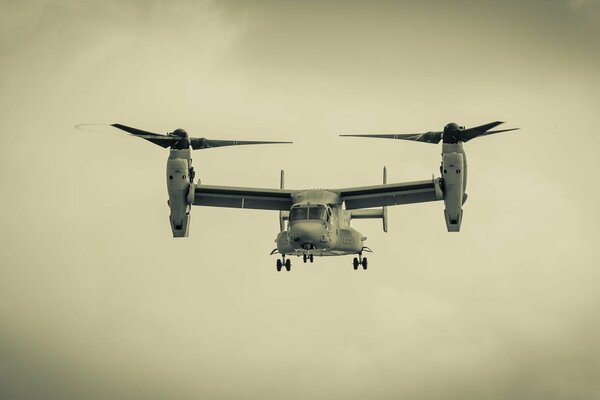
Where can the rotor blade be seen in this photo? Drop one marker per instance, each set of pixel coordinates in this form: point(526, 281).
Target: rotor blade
point(472, 133)
point(203, 143)
point(161, 140)
point(483, 128)
point(134, 131)
point(498, 131)
point(427, 137)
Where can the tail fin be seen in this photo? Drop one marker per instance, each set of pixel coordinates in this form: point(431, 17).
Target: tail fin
point(373, 212)
point(283, 215)
point(384, 208)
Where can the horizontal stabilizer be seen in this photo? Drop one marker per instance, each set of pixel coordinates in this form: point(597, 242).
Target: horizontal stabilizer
point(367, 214)
point(371, 214)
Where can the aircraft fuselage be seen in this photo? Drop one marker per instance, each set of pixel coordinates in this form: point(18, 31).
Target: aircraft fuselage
point(318, 228)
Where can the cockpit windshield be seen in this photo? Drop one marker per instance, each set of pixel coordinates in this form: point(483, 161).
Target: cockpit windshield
point(317, 212)
point(298, 213)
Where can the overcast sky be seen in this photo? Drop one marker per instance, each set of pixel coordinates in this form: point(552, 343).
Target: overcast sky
point(98, 301)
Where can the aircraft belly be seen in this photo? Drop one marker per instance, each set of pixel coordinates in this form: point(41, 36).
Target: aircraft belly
point(342, 242)
point(319, 253)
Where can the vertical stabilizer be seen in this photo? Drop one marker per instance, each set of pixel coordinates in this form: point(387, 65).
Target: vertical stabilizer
point(384, 212)
point(283, 215)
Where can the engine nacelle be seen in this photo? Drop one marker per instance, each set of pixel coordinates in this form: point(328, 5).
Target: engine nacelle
point(453, 170)
point(178, 186)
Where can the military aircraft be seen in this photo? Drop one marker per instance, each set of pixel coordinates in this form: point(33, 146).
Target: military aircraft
point(316, 222)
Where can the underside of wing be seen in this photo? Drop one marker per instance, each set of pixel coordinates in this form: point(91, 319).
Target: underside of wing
point(241, 197)
point(391, 194)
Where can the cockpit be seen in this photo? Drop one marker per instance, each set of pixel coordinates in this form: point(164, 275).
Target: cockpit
point(318, 212)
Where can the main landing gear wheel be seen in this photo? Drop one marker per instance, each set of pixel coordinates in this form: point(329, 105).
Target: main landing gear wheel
point(283, 262)
point(304, 257)
point(360, 260)
point(311, 257)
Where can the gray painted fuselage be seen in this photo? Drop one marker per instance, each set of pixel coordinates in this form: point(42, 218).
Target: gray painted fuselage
point(330, 236)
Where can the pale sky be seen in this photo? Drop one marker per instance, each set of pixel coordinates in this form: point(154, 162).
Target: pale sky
point(98, 301)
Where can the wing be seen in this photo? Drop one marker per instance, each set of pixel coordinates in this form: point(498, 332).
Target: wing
point(391, 194)
point(242, 197)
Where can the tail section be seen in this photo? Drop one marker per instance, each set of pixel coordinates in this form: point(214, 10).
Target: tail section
point(283, 215)
point(374, 213)
point(384, 218)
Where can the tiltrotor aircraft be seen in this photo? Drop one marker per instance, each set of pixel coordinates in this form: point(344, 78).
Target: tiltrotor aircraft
point(318, 220)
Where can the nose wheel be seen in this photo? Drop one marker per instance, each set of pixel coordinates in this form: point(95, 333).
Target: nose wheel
point(360, 261)
point(283, 262)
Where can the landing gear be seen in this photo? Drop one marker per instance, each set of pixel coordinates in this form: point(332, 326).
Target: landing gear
point(283, 263)
point(359, 261)
point(309, 257)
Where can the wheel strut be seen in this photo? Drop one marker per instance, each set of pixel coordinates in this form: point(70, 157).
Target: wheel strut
point(359, 261)
point(283, 262)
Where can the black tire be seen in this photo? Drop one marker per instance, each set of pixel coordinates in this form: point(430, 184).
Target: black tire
point(279, 265)
point(288, 264)
point(364, 263)
point(304, 257)
point(355, 263)
point(312, 258)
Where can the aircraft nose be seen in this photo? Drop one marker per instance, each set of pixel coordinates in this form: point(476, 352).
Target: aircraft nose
point(307, 232)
